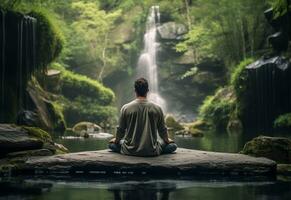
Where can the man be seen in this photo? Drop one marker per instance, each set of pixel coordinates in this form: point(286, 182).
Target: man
point(139, 124)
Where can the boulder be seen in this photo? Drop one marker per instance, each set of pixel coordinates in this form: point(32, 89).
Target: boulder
point(49, 116)
point(28, 153)
point(284, 169)
point(84, 128)
point(186, 59)
point(27, 118)
point(275, 148)
point(172, 31)
point(172, 123)
point(14, 138)
point(183, 162)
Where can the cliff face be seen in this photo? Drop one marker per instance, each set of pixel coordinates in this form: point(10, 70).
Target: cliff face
point(28, 45)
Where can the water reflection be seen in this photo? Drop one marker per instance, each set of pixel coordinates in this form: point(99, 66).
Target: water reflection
point(136, 190)
point(144, 189)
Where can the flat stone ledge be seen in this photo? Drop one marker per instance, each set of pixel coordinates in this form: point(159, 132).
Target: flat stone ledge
point(183, 162)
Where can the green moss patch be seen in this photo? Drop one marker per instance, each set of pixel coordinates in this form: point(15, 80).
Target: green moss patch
point(49, 38)
point(283, 121)
point(218, 109)
point(38, 133)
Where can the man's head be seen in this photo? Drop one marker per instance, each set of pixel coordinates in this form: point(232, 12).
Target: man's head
point(141, 87)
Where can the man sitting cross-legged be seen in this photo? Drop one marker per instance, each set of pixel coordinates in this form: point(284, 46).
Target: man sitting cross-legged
point(139, 124)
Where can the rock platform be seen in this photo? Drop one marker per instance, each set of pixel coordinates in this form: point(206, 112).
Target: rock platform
point(183, 162)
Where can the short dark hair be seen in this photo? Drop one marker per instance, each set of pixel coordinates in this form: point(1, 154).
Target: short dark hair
point(141, 87)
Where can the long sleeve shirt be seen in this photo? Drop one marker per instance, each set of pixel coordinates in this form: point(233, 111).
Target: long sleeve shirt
point(140, 123)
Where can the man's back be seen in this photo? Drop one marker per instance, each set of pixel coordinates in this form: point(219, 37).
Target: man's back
point(140, 121)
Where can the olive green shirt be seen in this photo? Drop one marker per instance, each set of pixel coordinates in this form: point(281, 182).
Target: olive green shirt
point(139, 124)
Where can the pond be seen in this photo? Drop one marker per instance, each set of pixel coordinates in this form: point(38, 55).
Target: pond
point(140, 188)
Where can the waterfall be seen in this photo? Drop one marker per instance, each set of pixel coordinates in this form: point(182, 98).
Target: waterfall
point(18, 51)
point(2, 81)
point(147, 66)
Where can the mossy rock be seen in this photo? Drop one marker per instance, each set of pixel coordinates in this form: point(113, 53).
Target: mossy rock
point(200, 124)
point(283, 122)
point(56, 115)
point(173, 124)
point(218, 109)
point(49, 37)
point(86, 126)
point(56, 148)
point(275, 148)
point(38, 133)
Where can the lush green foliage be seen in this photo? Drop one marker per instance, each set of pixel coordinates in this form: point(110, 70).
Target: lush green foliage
point(49, 38)
point(240, 83)
point(239, 78)
point(280, 7)
point(83, 99)
point(229, 30)
point(219, 108)
point(283, 121)
point(75, 85)
point(86, 109)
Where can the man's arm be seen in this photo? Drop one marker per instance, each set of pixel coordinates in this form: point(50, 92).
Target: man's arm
point(162, 129)
point(120, 131)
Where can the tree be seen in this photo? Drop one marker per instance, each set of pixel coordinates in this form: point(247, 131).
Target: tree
point(93, 26)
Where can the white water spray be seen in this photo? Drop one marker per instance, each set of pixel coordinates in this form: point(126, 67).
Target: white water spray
point(147, 66)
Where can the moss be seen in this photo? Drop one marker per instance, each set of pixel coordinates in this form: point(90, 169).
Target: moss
point(200, 124)
point(218, 109)
point(87, 110)
point(58, 116)
point(74, 85)
point(283, 121)
point(275, 148)
point(172, 123)
point(239, 77)
point(38, 133)
point(280, 8)
point(49, 38)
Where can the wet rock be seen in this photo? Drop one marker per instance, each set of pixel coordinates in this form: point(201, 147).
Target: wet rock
point(52, 81)
point(172, 31)
point(183, 162)
point(27, 118)
point(28, 153)
point(13, 138)
point(172, 123)
point(284, 169)
point(186, 59)
point(50, 118)
point(56, 148)
point(275, 148)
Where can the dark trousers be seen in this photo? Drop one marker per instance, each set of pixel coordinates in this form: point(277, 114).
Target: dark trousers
point(166, 148)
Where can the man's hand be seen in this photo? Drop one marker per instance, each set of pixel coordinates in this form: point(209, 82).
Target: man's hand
point(170, 141)
point(113, 140)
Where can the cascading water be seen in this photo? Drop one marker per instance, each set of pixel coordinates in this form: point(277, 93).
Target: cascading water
point(18, 51)
point(147, 66)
